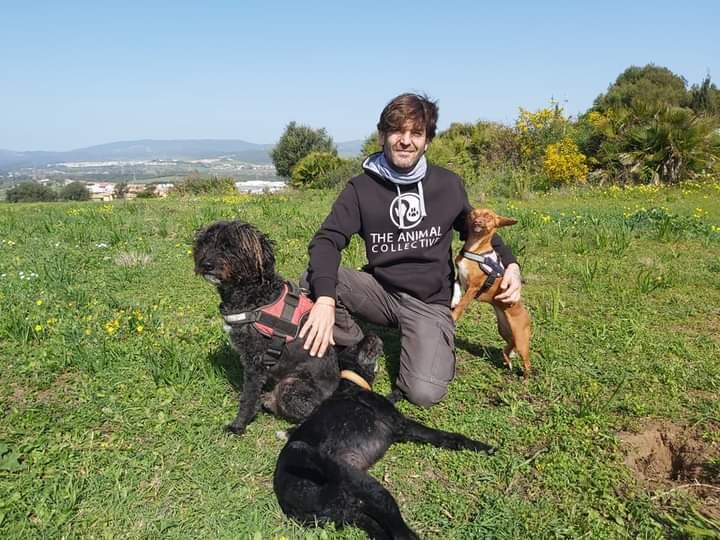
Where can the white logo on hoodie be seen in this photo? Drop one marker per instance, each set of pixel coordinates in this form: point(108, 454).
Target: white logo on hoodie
point(405, 210)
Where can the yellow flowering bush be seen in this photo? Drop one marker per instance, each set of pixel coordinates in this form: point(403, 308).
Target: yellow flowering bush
point(564, 163)
point(536, 130)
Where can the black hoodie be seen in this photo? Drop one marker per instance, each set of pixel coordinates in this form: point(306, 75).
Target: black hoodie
point(415, 259)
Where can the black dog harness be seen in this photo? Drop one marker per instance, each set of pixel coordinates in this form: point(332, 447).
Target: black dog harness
point(279, 321)
point(490, 264)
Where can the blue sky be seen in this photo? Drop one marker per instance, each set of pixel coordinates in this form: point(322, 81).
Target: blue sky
point(76, 74)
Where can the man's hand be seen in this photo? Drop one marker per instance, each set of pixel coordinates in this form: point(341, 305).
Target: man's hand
point(319, 326)
point(511, 285)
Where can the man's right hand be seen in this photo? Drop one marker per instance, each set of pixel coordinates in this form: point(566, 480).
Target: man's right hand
point(318, 329)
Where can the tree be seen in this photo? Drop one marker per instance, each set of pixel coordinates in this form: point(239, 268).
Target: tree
point(649, 128)
point(644, 87)
point(705, 98)
point(296, 143)
point(75, 191)
point(30, 192)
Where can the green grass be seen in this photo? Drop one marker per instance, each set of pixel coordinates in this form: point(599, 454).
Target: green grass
point(117, 378)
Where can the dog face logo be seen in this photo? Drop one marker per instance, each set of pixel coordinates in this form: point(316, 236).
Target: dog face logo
point(405, 210)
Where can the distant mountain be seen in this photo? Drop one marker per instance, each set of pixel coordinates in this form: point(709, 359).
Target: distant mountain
point(8, 158)
point(182, 150)
point(349, 148)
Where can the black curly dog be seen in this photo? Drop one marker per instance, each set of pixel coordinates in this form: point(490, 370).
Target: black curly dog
point(321, 472)
point(239, 260)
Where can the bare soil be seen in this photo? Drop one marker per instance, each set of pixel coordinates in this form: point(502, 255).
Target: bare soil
point(667, 457)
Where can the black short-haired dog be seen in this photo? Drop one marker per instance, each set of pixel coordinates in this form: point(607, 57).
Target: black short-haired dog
point(239, 260)
point(321, 475)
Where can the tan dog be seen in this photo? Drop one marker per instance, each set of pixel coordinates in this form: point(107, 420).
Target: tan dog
point(479, 272)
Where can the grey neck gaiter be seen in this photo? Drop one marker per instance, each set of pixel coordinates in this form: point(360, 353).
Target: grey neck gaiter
point(378, 164)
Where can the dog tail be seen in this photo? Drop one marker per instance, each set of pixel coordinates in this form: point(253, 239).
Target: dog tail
point(313, 487)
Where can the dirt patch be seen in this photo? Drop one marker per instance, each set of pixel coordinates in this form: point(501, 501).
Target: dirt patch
point(715, 328)
point(17, 396)
point(668, 457)
point(60, 390)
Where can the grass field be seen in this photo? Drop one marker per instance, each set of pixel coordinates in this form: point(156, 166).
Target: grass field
point(117, 377)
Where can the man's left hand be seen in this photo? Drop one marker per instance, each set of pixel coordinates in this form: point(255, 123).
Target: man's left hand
point(511, 285)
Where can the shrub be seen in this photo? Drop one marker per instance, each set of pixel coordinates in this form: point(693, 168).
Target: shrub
point(150, 191)
point(297, 142)
point(536, 130)
point(30, 192)
point(472, 150)
point(313, 169)
point(199, 185)
point(494, 145)
point(340, 175)
point(121, 189)
point(75, 191)
point(508, 182)
point(371, 145)
point(673, 145)
point(451, 149)
point(564, 163)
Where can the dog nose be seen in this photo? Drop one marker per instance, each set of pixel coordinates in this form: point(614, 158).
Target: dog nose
point(206, 266)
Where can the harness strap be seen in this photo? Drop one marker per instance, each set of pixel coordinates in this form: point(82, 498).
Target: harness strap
point(483, 260)
point(274, 351)
point(486, 263)
point(292, 300)
point(244, 317)
point(487, 284)
point(477, 257)
point(280, 326)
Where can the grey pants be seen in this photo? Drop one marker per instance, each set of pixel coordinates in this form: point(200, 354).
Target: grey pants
point(427, 358)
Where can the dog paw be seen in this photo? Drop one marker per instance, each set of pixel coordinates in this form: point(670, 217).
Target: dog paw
point(235, 430)
point(457, 295)
point(478, 446)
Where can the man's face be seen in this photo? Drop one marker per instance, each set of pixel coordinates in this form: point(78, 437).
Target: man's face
point(404, 148)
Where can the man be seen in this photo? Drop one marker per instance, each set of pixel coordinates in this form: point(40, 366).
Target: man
point(405, 209)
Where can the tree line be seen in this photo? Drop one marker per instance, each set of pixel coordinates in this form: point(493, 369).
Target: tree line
point(31, 191)
point(650, 126)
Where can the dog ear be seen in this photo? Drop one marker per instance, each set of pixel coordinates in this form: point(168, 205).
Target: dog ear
point(503, 221)
point(256, 246)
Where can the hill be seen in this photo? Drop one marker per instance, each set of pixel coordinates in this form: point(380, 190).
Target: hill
point(148, 149)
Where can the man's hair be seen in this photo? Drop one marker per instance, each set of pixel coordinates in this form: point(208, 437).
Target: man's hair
point(417, 109)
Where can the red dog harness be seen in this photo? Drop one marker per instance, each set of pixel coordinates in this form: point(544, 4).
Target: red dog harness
point(279, 321)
